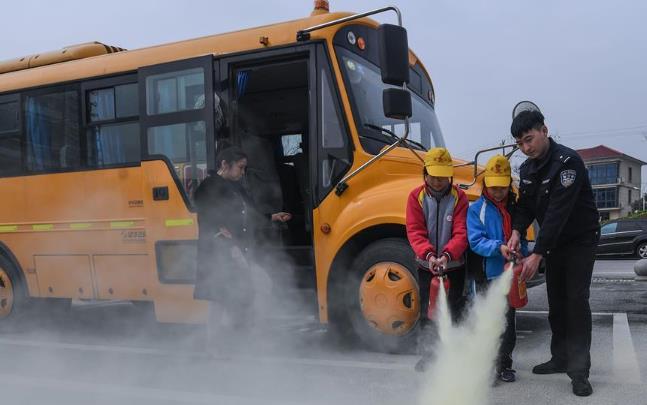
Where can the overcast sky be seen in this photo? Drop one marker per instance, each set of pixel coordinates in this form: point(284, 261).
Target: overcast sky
point(583, 62)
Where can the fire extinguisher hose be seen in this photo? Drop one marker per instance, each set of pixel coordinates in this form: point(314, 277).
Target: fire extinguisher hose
point(452, 265)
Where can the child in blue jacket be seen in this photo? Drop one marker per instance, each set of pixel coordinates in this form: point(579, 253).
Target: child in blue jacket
point(489, 227)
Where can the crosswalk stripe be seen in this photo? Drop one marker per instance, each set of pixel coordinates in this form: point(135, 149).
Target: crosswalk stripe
point(625, 363)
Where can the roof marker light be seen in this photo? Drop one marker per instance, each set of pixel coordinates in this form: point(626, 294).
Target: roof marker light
point(361, 43)
point(321, 7)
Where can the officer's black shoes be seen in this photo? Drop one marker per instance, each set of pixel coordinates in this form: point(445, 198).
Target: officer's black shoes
point(549, 367)
point(582, 387)
point(507, 375)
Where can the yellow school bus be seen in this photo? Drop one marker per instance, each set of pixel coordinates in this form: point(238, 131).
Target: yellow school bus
point(101, 150)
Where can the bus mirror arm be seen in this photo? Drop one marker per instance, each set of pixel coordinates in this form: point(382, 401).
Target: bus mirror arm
point(304, 35)
point(476, 166)
point(342, 185)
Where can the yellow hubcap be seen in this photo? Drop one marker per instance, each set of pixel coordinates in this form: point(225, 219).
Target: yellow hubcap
point(6, 294)
point(389, 298)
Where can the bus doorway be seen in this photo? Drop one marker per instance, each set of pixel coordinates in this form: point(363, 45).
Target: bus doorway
point(270, 109)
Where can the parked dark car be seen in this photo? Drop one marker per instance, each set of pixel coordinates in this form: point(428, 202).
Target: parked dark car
point(624, 237)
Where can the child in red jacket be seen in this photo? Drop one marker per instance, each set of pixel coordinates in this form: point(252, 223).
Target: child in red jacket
point(437, 232)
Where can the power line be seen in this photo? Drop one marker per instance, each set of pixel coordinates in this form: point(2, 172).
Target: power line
point(611, 130)
point(606, 135)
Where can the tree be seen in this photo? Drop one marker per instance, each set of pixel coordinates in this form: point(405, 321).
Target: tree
point(639, 204)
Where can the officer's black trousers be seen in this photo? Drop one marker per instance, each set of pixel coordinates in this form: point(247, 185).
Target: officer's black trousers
point(568, 282)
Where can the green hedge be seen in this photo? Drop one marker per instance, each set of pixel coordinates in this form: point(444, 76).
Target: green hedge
point(638, 214)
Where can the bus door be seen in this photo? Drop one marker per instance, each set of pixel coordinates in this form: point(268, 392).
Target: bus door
point(270, 97)
point(177, 128)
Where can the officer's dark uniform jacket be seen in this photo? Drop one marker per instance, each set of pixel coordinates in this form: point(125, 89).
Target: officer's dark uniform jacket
point(221, 274)
point(557, 192)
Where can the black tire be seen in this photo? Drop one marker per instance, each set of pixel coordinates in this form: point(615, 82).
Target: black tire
point(10, 308)
point(641, 250)
point(386, 250)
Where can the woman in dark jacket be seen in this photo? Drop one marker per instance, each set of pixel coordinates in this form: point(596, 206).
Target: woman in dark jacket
point(226, 217)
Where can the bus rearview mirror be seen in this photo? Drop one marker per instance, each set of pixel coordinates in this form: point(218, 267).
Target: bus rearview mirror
point(394, 54)
point(397, 103)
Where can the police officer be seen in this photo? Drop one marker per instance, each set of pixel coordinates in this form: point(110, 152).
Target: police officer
point(555, 190)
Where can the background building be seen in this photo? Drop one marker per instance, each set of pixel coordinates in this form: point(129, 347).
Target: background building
point(615, 178)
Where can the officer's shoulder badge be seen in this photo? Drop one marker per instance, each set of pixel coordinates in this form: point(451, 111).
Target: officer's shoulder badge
point(567, 177)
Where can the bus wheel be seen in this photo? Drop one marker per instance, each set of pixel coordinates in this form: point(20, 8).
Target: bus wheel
point(9, 292)
point(382, 296)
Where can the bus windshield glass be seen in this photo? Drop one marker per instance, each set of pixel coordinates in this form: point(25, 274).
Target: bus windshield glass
point(364, 82)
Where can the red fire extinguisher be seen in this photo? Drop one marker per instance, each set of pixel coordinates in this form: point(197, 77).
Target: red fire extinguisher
point(434, 290)
point(518, 296)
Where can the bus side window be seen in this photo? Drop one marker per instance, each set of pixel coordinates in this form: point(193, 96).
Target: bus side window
point(113, 129)
point(178, 112)
point(175, 91)
point(52, 131)
point(334, 150)
point(10, 150)
point(183, 143)
point(185, 146)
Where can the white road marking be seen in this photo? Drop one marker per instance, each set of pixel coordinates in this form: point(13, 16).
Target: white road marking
point(526, 312)
point(625, 362)
point(97, 348)
point(401, 362)
point(621, 274)
point(183, 397)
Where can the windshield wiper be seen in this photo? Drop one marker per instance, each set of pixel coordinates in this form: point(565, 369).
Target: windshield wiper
point(395, 137)
point(409, 141)
point(373, 138)
point(383, 131)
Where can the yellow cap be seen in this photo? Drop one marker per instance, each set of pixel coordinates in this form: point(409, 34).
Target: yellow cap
point(438, 163)
point(497, 172)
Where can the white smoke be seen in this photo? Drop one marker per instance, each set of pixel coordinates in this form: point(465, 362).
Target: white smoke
point(463, 369)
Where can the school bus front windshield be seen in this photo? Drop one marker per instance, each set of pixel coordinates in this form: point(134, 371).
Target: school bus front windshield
point(365, 86)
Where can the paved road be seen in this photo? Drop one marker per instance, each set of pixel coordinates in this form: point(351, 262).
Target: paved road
point(615, 267)
point(117, 354)
point(619, 347)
